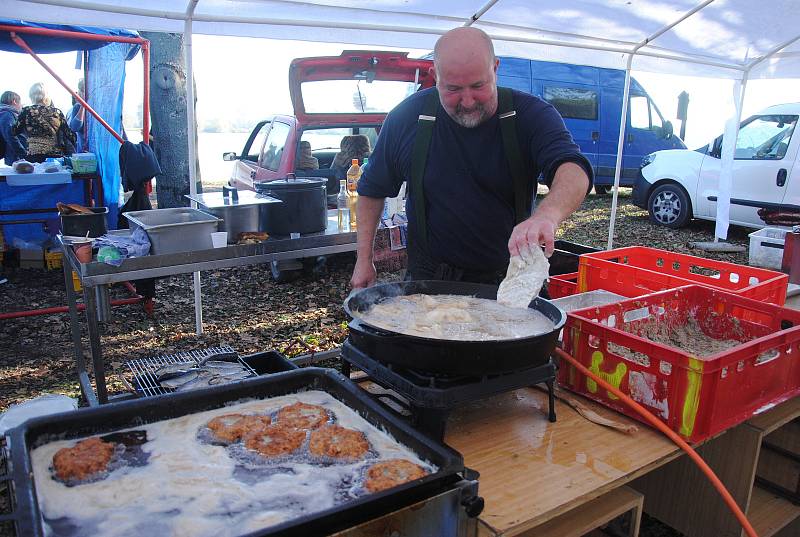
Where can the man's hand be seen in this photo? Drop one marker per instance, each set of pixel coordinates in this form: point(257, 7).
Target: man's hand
point(364, 274)
point(567, 191)
point(539, 229)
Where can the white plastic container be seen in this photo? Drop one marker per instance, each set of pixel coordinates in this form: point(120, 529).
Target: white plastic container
point(766, 247)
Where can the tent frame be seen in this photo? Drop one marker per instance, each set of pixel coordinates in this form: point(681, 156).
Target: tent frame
point(52, 32)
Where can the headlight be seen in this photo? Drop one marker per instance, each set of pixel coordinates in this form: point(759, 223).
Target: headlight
point(648, 159)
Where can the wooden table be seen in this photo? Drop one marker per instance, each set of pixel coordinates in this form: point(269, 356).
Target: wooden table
point(557, 479)
point(532, 470)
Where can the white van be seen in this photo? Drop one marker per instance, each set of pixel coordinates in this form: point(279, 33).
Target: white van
point(678, 185)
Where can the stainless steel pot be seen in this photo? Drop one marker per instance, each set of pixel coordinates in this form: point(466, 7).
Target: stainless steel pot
point(240, 210)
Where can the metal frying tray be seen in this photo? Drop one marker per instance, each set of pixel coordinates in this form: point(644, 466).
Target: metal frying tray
point(114, 417)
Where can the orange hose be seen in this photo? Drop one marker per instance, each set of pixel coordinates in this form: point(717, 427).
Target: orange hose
point(658, 424)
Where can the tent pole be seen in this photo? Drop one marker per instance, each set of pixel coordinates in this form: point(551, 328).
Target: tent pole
point(620, 141)
point(191, 128)
point(478, 14)
point(725, 182)
point(24, 46)
point(146, 93)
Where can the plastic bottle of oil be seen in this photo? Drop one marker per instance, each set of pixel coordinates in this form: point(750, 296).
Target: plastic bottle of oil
point(353, 175)
point(342, 207)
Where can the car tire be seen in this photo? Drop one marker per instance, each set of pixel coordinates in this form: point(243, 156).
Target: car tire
point(669, 206)
point(602, 190)
point(283, 276)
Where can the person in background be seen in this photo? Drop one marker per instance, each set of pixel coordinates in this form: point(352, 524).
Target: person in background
point(353, 146)
point(76, 117)
point(305, 159)
point(14, 146)
point(471, 207)
point(45, 127)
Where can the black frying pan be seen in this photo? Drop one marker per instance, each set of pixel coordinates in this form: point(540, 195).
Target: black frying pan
point(448, 356)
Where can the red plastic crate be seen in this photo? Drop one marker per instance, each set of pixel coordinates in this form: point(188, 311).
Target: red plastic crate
point(637, 270)
point(697, 397)
point(563, 285)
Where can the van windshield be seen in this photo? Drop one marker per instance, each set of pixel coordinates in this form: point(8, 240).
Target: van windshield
point(765, 137)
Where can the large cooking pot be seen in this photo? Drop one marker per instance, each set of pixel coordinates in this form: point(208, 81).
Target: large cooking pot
point(304, 208)
point(240, 211)
point(448, 356)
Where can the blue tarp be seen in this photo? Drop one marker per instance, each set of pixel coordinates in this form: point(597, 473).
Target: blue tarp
point(105, 95)
point(107, 76)
point(18, 198)
point(44, 44)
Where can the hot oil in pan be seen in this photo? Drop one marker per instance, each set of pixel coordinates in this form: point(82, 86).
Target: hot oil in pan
point(196, 486)
point(456, 317)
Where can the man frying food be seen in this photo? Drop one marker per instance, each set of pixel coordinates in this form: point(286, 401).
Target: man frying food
point(471, 154)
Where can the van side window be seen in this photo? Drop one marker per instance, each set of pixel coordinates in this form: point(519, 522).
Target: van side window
point(640, 112)
point(273, 148)
point(765, 137)
point(572, 103)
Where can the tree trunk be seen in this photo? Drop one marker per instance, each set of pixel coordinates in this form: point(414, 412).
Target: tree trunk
point(169, 136)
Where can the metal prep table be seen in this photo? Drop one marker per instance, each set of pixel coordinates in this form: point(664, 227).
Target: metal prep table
point(95, 277)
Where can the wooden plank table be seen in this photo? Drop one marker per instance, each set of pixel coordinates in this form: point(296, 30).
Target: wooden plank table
point(532, 470)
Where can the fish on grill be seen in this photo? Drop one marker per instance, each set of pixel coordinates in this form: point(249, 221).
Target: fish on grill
point(171, 371)
point(212, 373)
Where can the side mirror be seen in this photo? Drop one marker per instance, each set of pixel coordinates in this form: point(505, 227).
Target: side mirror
point(668, 130)
point(229, 156)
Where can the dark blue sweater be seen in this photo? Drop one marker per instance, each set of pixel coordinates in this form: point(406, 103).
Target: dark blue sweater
point(469, 192)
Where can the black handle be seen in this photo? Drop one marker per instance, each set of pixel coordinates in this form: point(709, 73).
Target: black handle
point(230, 191)
point(595, 136)
point(473, 506)
point(781, 177)
point(630, 138)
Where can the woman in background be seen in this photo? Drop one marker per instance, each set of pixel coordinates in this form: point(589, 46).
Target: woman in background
point(45, 126)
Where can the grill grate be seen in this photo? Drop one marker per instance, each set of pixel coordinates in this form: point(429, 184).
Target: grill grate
point(143, 369)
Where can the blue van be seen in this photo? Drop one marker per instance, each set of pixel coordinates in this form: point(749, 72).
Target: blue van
point(590, 101)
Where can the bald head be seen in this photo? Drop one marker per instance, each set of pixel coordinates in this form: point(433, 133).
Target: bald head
point(465, 69)
point(463, 45)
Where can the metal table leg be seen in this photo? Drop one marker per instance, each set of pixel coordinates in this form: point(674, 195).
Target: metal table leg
point(75, 328)
point(90, 299)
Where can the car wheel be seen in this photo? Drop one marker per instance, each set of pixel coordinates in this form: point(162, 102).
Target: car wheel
point(669, 206)
point(602, 190)
point(283, 276)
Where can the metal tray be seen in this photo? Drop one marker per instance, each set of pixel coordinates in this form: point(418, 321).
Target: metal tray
point(179, 229)
point(588, 299)
point(110, 418)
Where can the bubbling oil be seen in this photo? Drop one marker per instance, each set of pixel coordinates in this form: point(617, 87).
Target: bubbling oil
point(456, 317)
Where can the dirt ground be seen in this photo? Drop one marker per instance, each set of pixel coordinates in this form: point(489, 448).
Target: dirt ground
point(243, 308)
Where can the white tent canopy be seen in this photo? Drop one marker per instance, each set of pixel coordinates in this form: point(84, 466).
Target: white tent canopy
point(715, 38)
point(731, 39)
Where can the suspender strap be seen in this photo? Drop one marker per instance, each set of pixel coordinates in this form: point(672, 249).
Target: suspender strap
point(419, 158)
point(508, 129)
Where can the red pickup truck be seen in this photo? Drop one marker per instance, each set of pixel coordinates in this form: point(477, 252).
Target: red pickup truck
point(333, 97)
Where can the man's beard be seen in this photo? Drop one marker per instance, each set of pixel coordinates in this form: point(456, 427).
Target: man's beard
point(472, 117)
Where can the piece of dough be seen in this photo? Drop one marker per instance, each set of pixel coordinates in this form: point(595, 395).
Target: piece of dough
point(524, 279)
